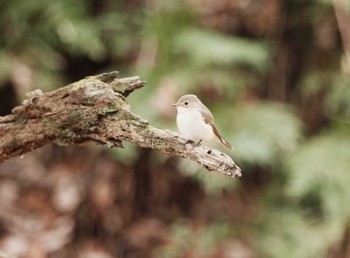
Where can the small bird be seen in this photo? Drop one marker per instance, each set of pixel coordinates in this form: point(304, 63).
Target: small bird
point(196, 122)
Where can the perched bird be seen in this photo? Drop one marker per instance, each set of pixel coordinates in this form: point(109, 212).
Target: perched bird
point(196, 122)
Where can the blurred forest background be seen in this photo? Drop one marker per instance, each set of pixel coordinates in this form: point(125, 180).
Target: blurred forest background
point(276, 75)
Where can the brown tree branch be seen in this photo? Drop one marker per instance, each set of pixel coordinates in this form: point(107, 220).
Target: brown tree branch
point(94, 110)
point(343, 19)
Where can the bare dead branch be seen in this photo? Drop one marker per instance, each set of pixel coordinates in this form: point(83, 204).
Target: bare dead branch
point(94, 110)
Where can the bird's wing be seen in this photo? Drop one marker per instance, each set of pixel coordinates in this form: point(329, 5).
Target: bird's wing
point(209, 119)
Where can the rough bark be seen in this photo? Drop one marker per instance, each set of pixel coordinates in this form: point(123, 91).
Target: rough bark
point(95, 110)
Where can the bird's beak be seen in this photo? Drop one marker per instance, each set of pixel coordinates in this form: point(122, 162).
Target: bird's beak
point(174, 105)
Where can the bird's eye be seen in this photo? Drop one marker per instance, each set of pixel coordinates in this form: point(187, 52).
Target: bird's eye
point(186, 103)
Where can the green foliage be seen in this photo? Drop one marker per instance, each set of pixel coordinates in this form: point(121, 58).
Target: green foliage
point(203, 48)
point(39, 35)
point(200, 241)
point(264, 132)
point(337, 103)
point(162, 26)
point(285, 234)
point(321, 168)
point(314, 199)
point(335, 87)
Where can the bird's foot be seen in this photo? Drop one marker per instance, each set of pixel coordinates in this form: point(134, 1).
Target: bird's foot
point(194, 144)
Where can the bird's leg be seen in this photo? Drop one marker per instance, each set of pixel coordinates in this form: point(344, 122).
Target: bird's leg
point(193, 143)
point(189, 142)
point(199, 142)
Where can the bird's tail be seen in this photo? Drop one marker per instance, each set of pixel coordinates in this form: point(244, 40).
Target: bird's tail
point(221, 139)
point(226, 143)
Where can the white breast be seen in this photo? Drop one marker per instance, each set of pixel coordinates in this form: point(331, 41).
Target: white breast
point(191, 125)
